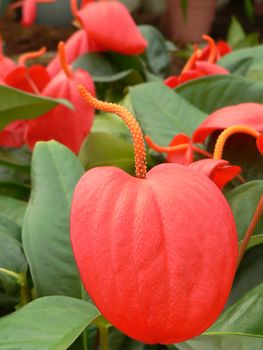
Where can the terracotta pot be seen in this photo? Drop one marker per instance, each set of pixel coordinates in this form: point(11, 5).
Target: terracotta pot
point(200, 15)
point(258, 5)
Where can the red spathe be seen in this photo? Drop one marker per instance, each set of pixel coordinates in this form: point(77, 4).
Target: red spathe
point(62, 124)
point(111, 26)
point(157, 255)
point(247, 114)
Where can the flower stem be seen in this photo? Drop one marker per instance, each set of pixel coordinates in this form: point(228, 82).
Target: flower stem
point(22, 281)
point(250, 230)
point(104, 338)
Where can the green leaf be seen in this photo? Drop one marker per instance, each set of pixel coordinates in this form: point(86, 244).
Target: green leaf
point(233, 60)
point(16, 104)
point(254, 71)
point(184, 6)
point(249, 40)
point(12, 259)
point(163, 113)
point(214, 92)
point(243, 201)
point(119, 341)
point(249, 274)
point(18, 159)
point(112, 124)
point(13, 209)
point(104, 149)
point(239, 328)
point(55, 173)
point(156, 53)
point(47, 323)
point(249, 8)
point(10, 227)
point(104, 69)
point(235, 32)
point(14, 189)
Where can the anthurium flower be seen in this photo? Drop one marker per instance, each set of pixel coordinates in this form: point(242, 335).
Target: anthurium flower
point(32, 80)
point(29, 10)
point(180, 150)
point(110, 25)
point(159, 231)
point(196, 67)
point(247, 114)
point(62, 124)
point(222, 48)
point(6, 64)
point(219, 171)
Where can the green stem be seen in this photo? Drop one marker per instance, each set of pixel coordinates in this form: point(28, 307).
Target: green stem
point(104, 338)
point(22, 281)
point(250, 230)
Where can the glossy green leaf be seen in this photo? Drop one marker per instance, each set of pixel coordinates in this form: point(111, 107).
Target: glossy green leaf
point(18, 159)
point(156, 53)
point(214, 92)
point(249, 274)
point(9, 227)
point(47, 323)
point(254, 71)
point(239, 328)
point(243, 201)
point(12, 208)
point(14, 189)
point(233, 60)
point(55, 173)
point(16, 104)
point(12, 259)
point(119, 341)
point(235, 32)
point(250, 40)
point(104, 149)
point(162, 113)
point(104, 69)
point(112, 124)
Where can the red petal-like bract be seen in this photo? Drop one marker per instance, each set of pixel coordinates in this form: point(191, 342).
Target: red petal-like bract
point(29, 12)
point(33, 79)
point(222, 49)
point(219, 171)
point(6, 66)
point(184, 156)
point(78, 44)
point(210, 68)
point(111, 26)
point(13, 135)
point(156, 255)
point(247, 114)
point(62, 124)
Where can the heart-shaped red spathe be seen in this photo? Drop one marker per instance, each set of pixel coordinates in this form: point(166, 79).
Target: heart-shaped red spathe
point(248, 114)
point(157, 255)
point(62, 124)
point(33, 79)
point(110, 25)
